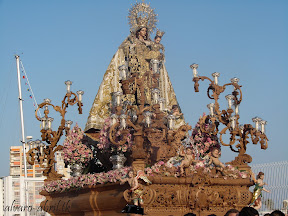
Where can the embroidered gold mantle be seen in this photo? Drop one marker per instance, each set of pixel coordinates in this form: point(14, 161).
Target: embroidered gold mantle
point(134, 50)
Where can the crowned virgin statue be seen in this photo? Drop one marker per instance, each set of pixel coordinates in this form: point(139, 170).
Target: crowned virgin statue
point(134, 56)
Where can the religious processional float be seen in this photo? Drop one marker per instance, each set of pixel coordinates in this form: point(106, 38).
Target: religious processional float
point(137, 148)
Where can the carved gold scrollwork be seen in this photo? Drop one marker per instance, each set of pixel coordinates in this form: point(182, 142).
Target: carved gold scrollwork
point(209, 124)
point(148, 195)
point(264, 141)
point(181, 133)
point(241, 160)
point(155, 137)
point(232, 139)
point(68, 100)
point(46, 158)
point(208, 128)
point(118, 140)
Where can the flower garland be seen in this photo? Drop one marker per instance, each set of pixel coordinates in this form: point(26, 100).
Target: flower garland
point(105, 144)
point(86, 180)
point(165, 169)
point(113, 176)
point(73, 149)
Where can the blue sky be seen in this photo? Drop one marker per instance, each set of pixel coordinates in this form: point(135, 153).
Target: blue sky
point(61, 40)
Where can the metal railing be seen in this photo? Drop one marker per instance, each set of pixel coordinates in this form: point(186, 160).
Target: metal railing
point(276, 176)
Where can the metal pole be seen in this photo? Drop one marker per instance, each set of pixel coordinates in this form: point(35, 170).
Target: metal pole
point(22, 130)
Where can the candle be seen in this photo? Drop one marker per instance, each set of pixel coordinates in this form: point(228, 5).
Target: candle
point(80, 93)
point(194, 69)
point(123, 120)
point(155, 94)
point(69, 123)
point(256, 120)
point(117, 98)
point(171, 119)
point(162, 103)
point(114, 118)
point(216, 75)
point(233, 122)
point(234, 80)
point(229, 99)
point(123, 72)
point(263, 123)
point(68, 84)
point(211, 109)
point(236, 108)
point(155, 65)
point(43, 119)
point(147, 116)
point(49, 125)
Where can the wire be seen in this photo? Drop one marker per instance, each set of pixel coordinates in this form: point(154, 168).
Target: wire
point(36, 104)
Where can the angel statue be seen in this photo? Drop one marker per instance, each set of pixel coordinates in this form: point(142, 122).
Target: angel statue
point(135, 53)
point(259, 187)
point(136, 190)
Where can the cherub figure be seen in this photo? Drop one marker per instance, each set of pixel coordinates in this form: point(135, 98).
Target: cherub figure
point(214, 160)
point(176, 112)
point(257, 193)
point(156, 45)
point(136, 189)
point(188, 159)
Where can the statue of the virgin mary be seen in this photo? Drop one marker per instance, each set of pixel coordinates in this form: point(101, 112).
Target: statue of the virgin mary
point(135, 54)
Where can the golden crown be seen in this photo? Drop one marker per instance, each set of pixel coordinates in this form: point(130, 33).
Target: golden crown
point(142, 15)
point(141, 22)
point(160, 33)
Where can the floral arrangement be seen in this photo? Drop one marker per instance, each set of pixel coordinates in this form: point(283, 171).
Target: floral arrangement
point(113, 176)
point(105, 144)
point(85, 180)
point(156, 168)
point(162, 168)
point(203, 142)
point(75, 152)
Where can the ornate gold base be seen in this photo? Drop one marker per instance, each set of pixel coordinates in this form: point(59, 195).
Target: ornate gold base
point(166, 196)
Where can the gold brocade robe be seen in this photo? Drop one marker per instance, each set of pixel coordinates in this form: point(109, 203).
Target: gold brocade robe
point(138, 54)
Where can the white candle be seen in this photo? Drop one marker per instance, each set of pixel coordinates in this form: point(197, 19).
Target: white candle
point(155, 65)
point(43, 119)
point(162, 104)
point(234, 80)
point(123, 120)
point(263, 123)
point(147, 116)
point(256, 120)
point(171, 119)
point(211, 109)
point(155, 93)
point(233, 122)
point(229, 99)
point(80, 93)
point(68, 84)
point(122, 70)
point(114, 118)
point(194, 69)
point(216, 75)
point(236, 108)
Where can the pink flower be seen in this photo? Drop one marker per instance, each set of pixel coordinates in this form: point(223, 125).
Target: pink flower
point(73, 149)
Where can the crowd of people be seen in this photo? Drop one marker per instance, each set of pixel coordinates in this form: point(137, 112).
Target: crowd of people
point(246, 211)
